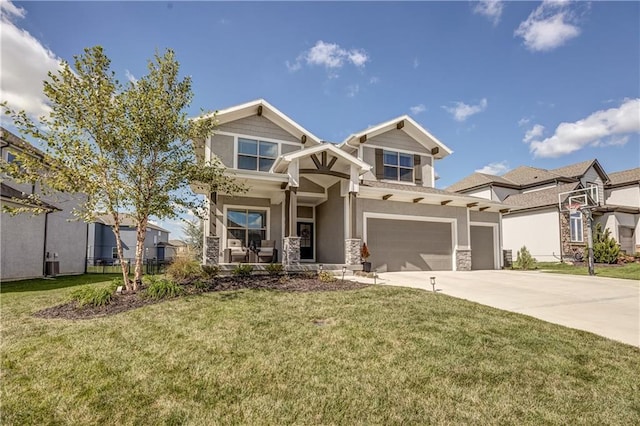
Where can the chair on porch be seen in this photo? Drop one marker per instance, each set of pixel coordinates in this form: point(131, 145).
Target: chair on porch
point(268, 252)
point(235, 252)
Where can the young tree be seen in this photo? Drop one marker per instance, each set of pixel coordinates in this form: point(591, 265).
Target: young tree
point(194, 232)
point(605, 248)
point(82, 135)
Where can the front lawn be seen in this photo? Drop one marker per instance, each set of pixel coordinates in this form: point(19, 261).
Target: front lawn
point(378, 355)
point(629, 271)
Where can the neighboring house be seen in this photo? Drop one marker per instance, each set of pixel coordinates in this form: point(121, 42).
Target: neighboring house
point(318, 201)
point(102, 249)
point(177, 248)
point(535, 219)
point(33, 246)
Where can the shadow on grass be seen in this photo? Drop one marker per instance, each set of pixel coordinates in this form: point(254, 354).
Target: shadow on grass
point(45, 284)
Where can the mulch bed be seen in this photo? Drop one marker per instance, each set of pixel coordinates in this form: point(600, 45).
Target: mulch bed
point(127, 301)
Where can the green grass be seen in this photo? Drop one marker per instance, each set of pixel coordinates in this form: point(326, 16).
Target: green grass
point(629, 271)
point(380, 355)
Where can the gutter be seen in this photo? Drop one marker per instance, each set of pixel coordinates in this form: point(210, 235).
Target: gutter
point(44, 246)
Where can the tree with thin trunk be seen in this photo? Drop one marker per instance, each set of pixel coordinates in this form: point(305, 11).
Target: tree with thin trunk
point(82, 136)
point(194, 236)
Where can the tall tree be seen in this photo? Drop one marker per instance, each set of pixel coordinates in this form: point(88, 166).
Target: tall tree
point(82, 135)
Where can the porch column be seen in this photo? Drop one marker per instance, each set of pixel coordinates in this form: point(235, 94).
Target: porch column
point(291, 243)
point(352, 245)
point(211, 243)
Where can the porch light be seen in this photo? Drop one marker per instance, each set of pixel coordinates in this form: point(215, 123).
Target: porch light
point(433, 283)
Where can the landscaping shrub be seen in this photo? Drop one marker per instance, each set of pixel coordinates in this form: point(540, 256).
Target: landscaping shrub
point(274, 268)
point(524, 260)
point(242, 270)
point(605, 247)
point(326, 277)
point(209, 271)
point(93, 296)
point(184, 269)
point(161, 288)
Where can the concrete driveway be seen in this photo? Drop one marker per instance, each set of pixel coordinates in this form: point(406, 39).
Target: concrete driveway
point(609, 307)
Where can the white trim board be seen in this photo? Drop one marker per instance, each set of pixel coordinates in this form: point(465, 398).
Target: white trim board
point(391, 216)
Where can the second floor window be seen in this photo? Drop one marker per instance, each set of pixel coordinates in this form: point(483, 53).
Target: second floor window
point(256, 155)
point(398, 166)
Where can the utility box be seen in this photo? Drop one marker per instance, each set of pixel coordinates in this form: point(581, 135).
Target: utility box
point(507, 258)
point(51, 268)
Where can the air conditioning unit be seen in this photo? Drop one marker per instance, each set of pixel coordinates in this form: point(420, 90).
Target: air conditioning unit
point(51, 268)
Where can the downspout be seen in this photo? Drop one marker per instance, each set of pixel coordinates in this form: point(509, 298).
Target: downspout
point(560, 236)
point(44, 246)
point(86, 249)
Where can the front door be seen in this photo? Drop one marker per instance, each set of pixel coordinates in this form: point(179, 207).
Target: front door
point(305, 232)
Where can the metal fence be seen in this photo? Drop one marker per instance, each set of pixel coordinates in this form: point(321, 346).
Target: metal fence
point(113, 266)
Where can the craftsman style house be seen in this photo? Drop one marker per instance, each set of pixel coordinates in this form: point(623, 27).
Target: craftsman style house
point(318, 202)
point(536, 218)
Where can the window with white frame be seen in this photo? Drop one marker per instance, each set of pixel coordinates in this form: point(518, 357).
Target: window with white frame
point(575, 221)
point(247, 225)
point(593, 191)
point(397, 166)
point(256, 155)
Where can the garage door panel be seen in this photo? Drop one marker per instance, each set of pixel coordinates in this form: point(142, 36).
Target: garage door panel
point(404, 245)
point(482, 248)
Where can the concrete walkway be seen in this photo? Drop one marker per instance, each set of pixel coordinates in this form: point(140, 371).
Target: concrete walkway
point(609, 307)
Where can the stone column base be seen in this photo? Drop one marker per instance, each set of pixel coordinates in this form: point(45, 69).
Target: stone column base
point(212, 251)
point(291, 251)
point(463, 260)
point(352, 251)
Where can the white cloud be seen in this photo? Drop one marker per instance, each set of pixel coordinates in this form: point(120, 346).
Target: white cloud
point(329, 55)
point(533, 133)
point(374, 80)
point(549, 26)
point(491, 9)
point(417, 109)
point(353, 90)
point(130, 76)
point(494, 168)
point(416, 63)
point(25, 64)
point(602, 128)
point(462, 111)
point(524, 121)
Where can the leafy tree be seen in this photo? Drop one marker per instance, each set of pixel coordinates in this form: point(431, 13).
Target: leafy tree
point(524, 260)
point(127, 148)
point(605, 247)
point(83, 135)
point(194, 232)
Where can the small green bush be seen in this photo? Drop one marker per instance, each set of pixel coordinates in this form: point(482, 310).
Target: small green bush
point(209, 271)
point(161, 288)
point(201, 284)
point(184, 269)
point(605, 247)
point(524, 260)
point(326, 277)
point(274, 268)
point(242, 270)
point(93, 296)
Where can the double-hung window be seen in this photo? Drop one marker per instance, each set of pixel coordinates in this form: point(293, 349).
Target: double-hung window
point(593, 191)
point(398, 166)
point(256, 155)
point(575, 220)
point(247, 225)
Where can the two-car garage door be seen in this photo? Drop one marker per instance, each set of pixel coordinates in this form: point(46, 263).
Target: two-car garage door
point(409, 245)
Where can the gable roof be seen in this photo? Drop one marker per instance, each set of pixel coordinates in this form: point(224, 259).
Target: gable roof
point(264, 108)
point(541, 198)
point(125, 220)
point(624, 177)
point(479, 179)
point(579, 169)
point(281, 162)
point(527, 175)
point(407, 125)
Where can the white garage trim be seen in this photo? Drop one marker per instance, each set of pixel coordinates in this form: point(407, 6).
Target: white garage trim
point(496, 246)
point(454, 227)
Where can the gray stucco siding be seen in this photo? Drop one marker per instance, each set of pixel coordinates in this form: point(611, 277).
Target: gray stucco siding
point(488, 217)
point(259, 127)
point(418, 210)
point(330, 228)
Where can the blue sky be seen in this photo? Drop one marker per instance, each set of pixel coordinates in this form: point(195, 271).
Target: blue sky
point(503, 84)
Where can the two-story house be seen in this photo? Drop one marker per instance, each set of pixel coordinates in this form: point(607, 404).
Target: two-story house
point(49, 243)
point(536, 197)
point(318, 202)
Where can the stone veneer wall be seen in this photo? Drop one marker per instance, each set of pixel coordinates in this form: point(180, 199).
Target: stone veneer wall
point(291, 251)
point(212, 250)
point(463, 260)
point(352, 251)
point(568, 247)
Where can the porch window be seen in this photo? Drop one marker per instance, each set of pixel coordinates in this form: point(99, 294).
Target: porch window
point(576, 227)
point(256, 155)
point(398, 166)
point(247, 225)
